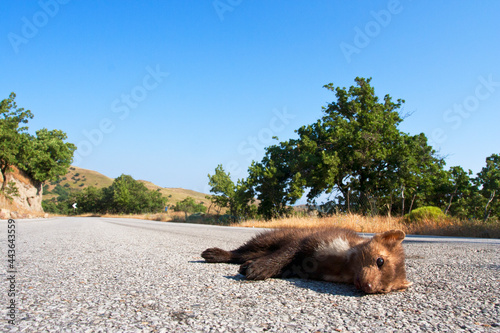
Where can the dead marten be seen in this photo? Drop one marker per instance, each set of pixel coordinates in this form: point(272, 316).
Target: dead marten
point(375, 265)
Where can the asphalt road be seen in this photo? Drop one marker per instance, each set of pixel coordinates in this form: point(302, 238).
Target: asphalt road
point(121, 275)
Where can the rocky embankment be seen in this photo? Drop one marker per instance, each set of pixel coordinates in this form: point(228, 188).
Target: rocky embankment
point(26, 202)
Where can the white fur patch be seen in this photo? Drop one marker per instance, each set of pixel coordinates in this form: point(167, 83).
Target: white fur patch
point(337, 246)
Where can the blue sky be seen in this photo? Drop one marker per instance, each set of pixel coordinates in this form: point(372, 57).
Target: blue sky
point(166, 90)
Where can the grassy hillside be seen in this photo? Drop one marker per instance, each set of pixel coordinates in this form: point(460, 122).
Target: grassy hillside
point(77, 179)
point(175, 195)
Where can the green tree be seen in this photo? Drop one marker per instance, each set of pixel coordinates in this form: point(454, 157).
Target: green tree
point(237, 198)
point(44, 156)
point(276, 181)
point(189, 206)
point(459, 192)
point(488, 180)
point(57, 206)
point(355, 149)
point(363, 133)
point(91, 200)
point(420, 175)
point(375, 159)
point(243, 207)
point(122, 199)
point(11, 132)
point(222, 187)
point(63, 193)
point(128, 196)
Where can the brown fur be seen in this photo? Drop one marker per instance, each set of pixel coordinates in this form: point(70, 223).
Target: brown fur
point(375, 265)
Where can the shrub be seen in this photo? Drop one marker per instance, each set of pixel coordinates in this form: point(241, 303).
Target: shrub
point(424, 213)
point(9, 191)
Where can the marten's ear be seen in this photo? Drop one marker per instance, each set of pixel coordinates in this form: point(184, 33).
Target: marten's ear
point(391, 237)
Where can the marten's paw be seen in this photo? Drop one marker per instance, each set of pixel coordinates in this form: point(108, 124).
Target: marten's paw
point(243, 268)
point(259, 269)
point(215, 254)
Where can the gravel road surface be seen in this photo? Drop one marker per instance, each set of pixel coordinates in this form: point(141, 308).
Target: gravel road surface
point(122, 275)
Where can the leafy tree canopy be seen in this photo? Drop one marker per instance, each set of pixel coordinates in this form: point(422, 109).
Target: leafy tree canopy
point(132, 197)
point(488, 179)
point(44, 156)
point(222, 187)
point(238, 198)
point(355, 149)
point(357, 153)
point(189, 206)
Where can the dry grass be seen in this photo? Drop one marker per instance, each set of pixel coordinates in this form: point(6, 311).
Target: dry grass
point(443, 227)
point(455, 227)
point(7, 204)
point(351, 221)
point(163, 217)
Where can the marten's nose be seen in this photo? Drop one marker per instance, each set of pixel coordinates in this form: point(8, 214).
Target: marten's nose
point(367, 287)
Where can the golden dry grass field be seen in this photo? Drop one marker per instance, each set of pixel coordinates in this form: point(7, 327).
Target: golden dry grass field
point(444, 227)
point(374, 224)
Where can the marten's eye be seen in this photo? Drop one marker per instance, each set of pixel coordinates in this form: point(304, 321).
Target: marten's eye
point(380, 262)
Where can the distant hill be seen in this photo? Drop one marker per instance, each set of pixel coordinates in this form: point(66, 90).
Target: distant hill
point(78, 178)
point(175, 194)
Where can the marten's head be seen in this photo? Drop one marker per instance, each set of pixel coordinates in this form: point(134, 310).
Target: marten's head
point(380, 264)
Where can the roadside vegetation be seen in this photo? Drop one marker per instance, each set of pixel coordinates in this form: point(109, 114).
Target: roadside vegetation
point(125, 195)
point(357, 157)
point(372, 224)
point(43, 157)
point(369, 224)
point(354, 166)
